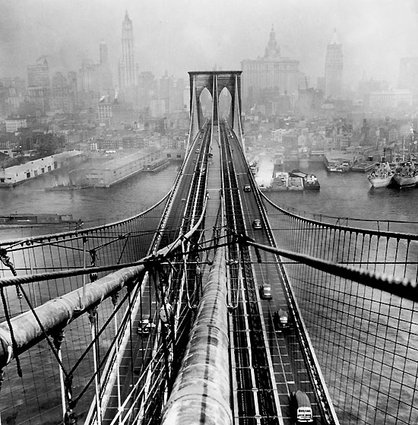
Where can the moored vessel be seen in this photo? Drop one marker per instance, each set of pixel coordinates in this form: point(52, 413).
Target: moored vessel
point(363, 167)
point(381, 176)
point(310, 181)
point(29, 219)
point(405, 175)
point(337, 167)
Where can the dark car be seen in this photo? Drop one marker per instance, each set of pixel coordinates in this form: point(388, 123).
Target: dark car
point(281, 319)
point(247, 188)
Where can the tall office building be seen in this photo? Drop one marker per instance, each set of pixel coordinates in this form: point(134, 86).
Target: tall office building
point(60, 100)
point(39, 85)
point(103, 60)
point(104, 73)
point(334, 68)
point(38, 74)
point(408, 75)
point(127, 63)
point(270, 76)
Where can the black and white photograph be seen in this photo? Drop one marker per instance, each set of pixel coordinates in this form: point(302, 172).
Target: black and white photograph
point(209, 212)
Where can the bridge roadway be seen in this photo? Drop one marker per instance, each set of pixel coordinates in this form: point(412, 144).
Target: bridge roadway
point(286, 360)
point(267, 363)
point(186, 206)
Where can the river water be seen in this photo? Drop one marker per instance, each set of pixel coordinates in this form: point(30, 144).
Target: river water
point(349, 195)
point(94, 206)
point(346, 195)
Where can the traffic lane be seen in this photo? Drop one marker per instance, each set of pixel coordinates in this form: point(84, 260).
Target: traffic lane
point(178, 210)
point(291, 373)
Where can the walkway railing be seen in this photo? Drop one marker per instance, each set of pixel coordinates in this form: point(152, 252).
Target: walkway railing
point(32, 387)
point(365, 337)
point(363, 223)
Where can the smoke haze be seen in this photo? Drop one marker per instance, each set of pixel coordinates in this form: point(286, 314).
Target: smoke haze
point(182, 35)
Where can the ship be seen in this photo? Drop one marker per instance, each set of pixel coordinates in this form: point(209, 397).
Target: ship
point(280, 181)
point(381, 176)
point(363, 167)
point(405, 175)
point(340, 164)
point(18, 220)
point(293, 181)
point(310, 181)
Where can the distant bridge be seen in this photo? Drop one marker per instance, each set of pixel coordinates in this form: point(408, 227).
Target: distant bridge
point(171, 316)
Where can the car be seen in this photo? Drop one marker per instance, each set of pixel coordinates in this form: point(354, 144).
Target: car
point(257, 224)
point(265, 292)
point(281, 319)
point(145, 326)
point(247, 188)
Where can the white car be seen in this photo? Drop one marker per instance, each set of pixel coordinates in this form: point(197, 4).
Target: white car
point(145, 327)
point(257, 224)
point(265, 292)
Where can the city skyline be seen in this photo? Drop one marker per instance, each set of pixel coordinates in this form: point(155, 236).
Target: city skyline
point(180, 37)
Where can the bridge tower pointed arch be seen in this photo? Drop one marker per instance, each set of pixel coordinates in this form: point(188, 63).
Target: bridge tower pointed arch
point(215, 82)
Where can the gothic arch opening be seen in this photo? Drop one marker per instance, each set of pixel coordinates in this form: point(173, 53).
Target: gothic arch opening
point(224, 106)
point(206, 103)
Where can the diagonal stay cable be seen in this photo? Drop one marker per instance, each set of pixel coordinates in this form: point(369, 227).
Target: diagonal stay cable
point(90, 345)
point(402, 287)
point(106, 355)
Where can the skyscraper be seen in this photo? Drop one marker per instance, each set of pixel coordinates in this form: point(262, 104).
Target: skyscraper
point(39, 84)
point(38, 74)
point(103, 53)
point(408, 75)
point(104, 73)
point(127, 63)
point(271, 75)
point(334, 68)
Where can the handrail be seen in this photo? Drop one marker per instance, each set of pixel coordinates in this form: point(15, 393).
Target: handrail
point(81, 232)
point(409, 236)
point(59, 312)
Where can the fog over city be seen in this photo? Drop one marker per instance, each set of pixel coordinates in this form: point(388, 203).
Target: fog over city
point(183, 35)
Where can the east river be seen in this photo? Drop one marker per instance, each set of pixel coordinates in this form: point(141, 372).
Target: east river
point(94, 206)
point(345, 195)
point(349, 195)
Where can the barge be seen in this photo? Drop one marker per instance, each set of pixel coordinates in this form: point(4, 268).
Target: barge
point(18, 220)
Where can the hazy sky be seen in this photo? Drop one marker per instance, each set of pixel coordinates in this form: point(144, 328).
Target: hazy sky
point(183, 35)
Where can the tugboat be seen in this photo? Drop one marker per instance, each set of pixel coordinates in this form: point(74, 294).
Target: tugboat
point(381, 176)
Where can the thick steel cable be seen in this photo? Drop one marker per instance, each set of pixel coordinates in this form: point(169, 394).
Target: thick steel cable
point(404, 288)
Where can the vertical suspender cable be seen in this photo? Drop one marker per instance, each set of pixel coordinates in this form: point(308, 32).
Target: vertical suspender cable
point(93, 328)
point(57, 343)
point(117, 353)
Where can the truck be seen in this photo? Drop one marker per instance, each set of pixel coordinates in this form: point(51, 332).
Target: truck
point(301, 407)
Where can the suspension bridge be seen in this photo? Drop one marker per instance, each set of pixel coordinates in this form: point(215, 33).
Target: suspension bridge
point(173, 316)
